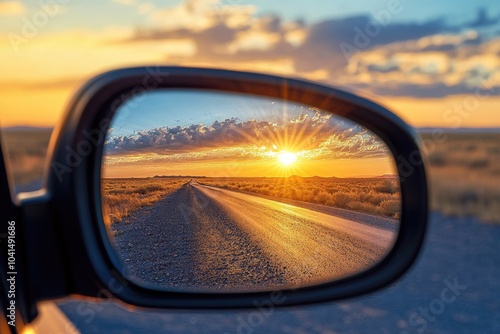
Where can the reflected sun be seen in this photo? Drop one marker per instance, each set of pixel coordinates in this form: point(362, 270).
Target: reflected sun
point(287, 158)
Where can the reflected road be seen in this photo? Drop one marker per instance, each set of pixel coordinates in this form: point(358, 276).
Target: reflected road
point(207, 238)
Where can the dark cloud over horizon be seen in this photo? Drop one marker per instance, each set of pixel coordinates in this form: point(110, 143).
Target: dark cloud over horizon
point(318, 132)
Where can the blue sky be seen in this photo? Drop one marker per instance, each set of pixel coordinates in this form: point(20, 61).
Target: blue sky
point(184, 108)
point(97, 14)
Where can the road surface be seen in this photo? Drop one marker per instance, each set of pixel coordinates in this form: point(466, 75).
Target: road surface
point(460, 248)
point(206, 238)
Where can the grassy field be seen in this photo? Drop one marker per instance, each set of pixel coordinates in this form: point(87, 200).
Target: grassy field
point(369, 195)
point(465, 175)
point(121, 197)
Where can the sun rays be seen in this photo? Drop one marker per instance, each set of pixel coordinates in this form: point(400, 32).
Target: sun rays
point(243, 136)
point(287, 158)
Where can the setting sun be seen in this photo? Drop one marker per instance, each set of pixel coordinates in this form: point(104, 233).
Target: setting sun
point(287, 158)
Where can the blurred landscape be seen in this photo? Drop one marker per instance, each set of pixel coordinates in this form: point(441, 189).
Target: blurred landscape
point(27, 150)
point(464, 170)
point(465, 174)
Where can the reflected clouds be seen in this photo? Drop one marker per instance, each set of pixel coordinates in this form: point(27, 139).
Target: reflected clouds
point(313, 136)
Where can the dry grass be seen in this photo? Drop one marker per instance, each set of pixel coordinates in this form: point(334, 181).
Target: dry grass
point(121, 197)
point(369, 195)
point(465, 176)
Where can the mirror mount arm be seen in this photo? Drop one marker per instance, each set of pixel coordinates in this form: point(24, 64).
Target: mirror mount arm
point(10, 212)
point(29, 256)
point(44, 258)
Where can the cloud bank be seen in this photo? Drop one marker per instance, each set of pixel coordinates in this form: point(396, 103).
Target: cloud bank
point(317, 136)
point(426, 59)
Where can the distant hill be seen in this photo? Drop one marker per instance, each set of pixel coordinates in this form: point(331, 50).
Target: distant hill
point(427, 130)
point(26, 129)
point(178, 176)
point(386, 176)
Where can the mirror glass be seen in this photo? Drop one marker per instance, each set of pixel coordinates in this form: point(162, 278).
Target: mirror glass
point(218, 192)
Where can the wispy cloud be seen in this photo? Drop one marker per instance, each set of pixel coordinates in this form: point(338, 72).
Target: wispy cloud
point(198, 15)
point(145, 8)
point(12, 8)
point(125, 2)
point(437, 66)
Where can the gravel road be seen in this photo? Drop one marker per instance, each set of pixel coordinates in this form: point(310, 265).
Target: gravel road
point(206, 238)
point(460, 248)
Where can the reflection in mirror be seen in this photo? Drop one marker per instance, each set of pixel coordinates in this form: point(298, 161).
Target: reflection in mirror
point(218, 192)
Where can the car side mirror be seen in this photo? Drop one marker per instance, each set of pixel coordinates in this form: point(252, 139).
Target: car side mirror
point(200, 188)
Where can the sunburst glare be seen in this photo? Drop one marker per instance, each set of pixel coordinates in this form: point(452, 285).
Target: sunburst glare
point(287, 158)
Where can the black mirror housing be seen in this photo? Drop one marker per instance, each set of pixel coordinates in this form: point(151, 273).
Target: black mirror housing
point(73, 211)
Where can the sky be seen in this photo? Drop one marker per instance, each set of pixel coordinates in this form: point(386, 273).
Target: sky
point(235, 135)
point(433, 63)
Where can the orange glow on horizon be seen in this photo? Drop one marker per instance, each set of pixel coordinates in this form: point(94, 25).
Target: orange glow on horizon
point(343, 168)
